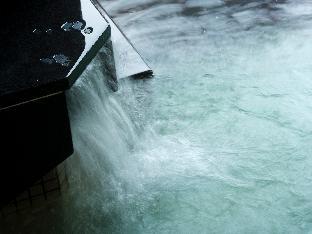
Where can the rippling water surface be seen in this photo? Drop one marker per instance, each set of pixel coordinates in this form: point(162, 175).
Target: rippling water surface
point(227, 140)
point(219, 141)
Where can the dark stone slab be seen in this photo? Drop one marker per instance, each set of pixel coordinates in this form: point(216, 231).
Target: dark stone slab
point(45, 45)
point(35, 137)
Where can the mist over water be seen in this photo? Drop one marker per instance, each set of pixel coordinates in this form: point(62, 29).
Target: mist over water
point(219, 141)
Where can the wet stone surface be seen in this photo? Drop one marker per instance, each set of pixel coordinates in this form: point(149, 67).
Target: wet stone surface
point(45, 46)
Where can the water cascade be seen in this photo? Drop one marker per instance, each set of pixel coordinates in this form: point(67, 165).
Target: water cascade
point(218, 141)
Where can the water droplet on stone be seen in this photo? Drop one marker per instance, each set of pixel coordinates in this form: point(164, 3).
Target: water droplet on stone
point(47, 60)
point(49, 31)
point(67, 26)
point(88, 30)
point(61, 59)
point(78, 25)
point(36, 31)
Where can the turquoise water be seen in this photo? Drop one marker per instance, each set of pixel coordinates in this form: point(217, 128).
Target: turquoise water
point(219, 141)
point(227, 138)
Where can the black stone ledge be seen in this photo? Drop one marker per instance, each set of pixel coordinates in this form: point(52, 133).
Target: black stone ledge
point(46, 45)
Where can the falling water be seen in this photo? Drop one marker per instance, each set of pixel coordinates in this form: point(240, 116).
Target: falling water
point(219, 141)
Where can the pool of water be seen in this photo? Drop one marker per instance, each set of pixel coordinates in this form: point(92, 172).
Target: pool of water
point(227, 140)
point(218, 141)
